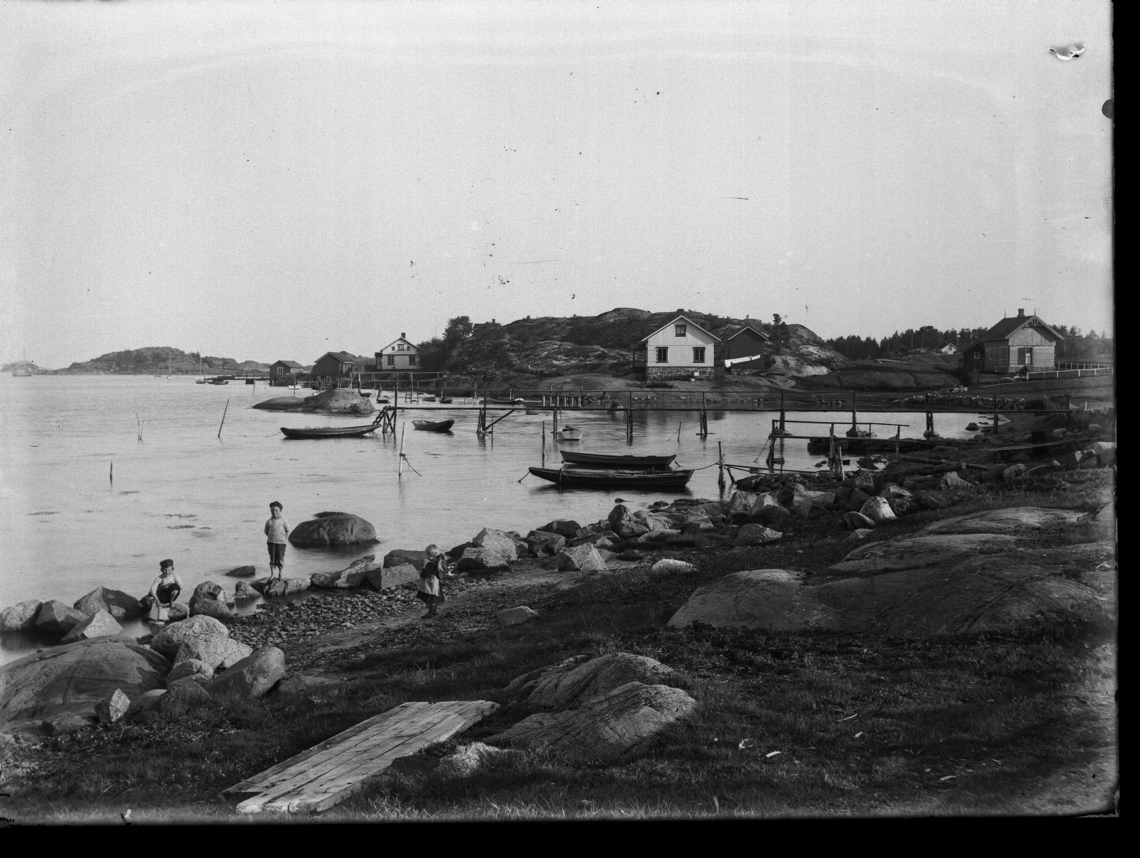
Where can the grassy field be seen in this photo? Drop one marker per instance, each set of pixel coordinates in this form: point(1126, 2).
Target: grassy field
point(793, 724)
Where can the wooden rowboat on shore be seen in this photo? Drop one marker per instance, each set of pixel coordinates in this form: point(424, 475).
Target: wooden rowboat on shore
point(433, 425)
point(332, 431)
point(620, 462)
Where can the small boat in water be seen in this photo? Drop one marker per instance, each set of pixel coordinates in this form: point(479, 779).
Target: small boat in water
point(433, 425)
point(621, 462)
point(217, 380)
point(332, 431)
point(569, 433)
point(579, 477)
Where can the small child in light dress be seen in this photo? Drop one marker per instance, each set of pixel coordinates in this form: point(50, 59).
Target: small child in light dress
point(430, 588)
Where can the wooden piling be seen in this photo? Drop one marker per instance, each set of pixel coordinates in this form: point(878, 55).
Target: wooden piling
point(223, 423)
point(720, 462)
point(400, 463)
point(995, 415)
point(544, 443)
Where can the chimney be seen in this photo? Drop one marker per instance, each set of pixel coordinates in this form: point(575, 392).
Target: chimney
point(1020, 312)
point(403, 336)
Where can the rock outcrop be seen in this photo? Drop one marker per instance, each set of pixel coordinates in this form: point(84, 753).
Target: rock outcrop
point(339, 401)
point(210, 600)
point(349, 577)
point(333, 528)
point(120, 605)
point(253, 676)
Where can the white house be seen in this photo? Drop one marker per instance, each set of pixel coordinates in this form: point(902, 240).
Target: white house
point(680, 349)
point(399, 354)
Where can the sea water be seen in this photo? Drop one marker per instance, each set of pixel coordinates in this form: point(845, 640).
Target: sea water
point(104, 476)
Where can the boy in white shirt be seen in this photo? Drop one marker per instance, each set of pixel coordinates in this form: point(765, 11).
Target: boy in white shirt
point(276, 531)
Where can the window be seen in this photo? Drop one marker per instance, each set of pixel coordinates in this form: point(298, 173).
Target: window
point(391, 360)
point(680, 330)
point(411, 360)
point(698, 354)
point(663, 354)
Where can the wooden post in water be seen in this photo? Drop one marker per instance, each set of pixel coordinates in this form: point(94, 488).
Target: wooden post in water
point(898, 442)
point(400, 464)
point(781, 412)
point(544, 443)
point(995, 415)
point(854, 416)
point(223, 423)
point(720, 462)
point(704, 430)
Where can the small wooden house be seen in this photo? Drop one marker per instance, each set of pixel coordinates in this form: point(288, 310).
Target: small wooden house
point(400, 354)
point(749, 343)
point(973, 357)
point(332, 369)
point(284, 372)
point(680, 349)
point(1019, 341)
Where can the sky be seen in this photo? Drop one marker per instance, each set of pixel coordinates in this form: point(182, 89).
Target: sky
point(270, 181)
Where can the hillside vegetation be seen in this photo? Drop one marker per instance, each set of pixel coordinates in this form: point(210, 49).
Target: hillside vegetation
point(162, 360)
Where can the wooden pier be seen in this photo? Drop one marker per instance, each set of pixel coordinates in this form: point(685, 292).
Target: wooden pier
point(339, 767)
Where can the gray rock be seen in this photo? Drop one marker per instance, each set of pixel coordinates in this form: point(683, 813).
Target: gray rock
point(349, 577)
point(243, 592)
point(541, 542)
point(878, 510)
point(574, 681)
point(57, 619)
point(180, 701)
point(405, 557)
point(112, 707)
point(891, 490)
point(497, 541)
point(605, 729)
point(216, 652)
point(756, 534)
point(74, 677)
point(66, 722)
point(857, 521)
point(580, 558)
point(669, 564)
point(859, 535)
point(120, 605)
point(483, 559)
point(622, 522)
point(1013, 472)
point(210, 600)
point(562, 527)
point(516, 616)
point(272, 588)
point(951, 480)
point(242, 572)
point(20, 617)
point(760, 598)
point(100, 625)
point(197, 628)
point(333, 528)
point(253, 676)
point(1105, 452)
point(391, 576)
point(189, 667)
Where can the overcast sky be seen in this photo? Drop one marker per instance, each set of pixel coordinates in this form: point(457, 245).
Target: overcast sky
point(264, 181)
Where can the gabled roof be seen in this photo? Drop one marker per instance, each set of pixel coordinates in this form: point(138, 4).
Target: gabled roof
point(1005, 328)
point(292, 364)
point(969, 346)
point(687, 321)
point(401, 340)
point(753, 330)
point(343, 357)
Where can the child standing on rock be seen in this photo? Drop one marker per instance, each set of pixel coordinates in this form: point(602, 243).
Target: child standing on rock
point(430, 588)
point(276, 531)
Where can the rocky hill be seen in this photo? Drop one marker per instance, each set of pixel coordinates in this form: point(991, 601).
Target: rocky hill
point(162, 360)
point(531, 349)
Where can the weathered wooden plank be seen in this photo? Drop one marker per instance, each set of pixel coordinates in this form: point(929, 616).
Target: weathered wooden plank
point(338, 767)
point(404, 709)
point(319, 777)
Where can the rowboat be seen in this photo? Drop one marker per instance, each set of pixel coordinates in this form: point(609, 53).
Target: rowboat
point(332, 431)
point(569, 433)
point(604, 478)
point(433, 425)
point(622, 462)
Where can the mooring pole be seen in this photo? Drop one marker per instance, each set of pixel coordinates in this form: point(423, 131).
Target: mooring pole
point(898, 442)
point(854, 417)
point(781, 412)
point(720, 462)
point(223, 423)
point(544, 443)
point(771, 447)
point(704, 418)
point(995, 415)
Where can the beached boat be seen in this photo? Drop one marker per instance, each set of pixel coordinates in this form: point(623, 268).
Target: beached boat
point(332, 431)
point(217, 380)
point(433, 425)
point(577, 476)
point(569, 433)
point(621, 462)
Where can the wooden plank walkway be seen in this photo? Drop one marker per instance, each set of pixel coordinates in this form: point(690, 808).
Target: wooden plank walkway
point(338, 767)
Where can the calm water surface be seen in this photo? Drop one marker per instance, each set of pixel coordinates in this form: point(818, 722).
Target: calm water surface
point(180, 491)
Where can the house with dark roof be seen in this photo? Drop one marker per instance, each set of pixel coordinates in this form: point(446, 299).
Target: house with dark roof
point(284, 371)
point(332, 369)
point(746, 345)
point(1015, 342)
point(680, 349)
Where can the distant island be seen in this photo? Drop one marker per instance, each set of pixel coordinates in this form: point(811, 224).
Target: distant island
point(160, 360)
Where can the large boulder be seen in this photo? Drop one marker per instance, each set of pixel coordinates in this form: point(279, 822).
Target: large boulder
point(75, 677)
point(57, 619)
point(120, 605)
point(473, 758)
point(482, 560)
point(210, 600)
point(242, 572)
point(174, 635)
point(572, 682)
point(622, 522)
point(216, 652)
point(606, 728)
point(339, 400)
point(878, 510)
point(349, 577)
point(580, 558)
point(100, 625)
point(20, 617)
point(333, 528)
point(561, 527)
point(391, 576)
point(112, 707)
point(516, 616)
point(277, 587)
point(542, 542)
point(498, 541)
point(756, 534)
point(405, 556)
point(253, 676)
